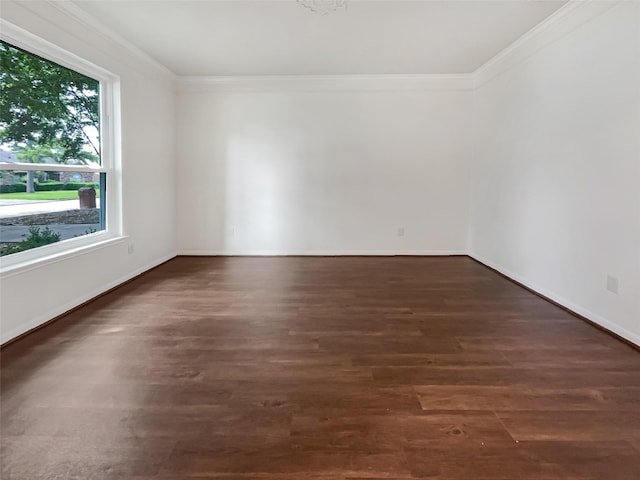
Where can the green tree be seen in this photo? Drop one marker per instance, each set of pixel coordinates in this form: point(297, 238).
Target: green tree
point(36, 154)
point(43, 103)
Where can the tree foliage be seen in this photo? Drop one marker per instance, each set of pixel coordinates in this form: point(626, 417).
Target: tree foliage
point(37, 153)
point(42, 103)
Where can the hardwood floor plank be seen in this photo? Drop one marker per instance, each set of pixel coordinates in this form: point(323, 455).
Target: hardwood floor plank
point(526, 397)
point(459, 359)
point(561, 377)
point(327, 396)
point(219, 455)
point(379, 344)
point(527, 461)
point(148, 422)
point(572, 425)
point(77, 458)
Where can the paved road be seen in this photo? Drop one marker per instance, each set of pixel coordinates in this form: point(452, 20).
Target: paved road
point(14, 233)
point(17, 233)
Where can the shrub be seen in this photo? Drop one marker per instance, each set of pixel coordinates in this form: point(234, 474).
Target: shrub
point(13, 188)
point(36, 238)
point(78, 185)
point(48, 186)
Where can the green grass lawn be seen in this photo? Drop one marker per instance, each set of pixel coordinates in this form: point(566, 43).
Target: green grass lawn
point(54, 195)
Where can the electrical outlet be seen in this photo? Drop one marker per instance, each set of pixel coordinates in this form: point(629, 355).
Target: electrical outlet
point(612, 284)
point(130, 248)
point(401, 231)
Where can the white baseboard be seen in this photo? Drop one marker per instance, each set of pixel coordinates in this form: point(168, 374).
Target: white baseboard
point(319, 253)
point(61, 309)
point(595, 318)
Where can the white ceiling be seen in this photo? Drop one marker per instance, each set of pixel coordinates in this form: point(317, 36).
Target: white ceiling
point(238, 37)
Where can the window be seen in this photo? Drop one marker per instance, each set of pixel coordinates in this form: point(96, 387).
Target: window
point(58, 176)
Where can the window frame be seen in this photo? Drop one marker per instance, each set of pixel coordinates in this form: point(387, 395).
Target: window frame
point(110, 159)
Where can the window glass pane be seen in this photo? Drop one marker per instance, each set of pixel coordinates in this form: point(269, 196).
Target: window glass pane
point(49, 115)
point(56, 211)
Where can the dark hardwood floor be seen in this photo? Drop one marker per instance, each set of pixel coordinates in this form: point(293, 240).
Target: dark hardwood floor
point(320, 368)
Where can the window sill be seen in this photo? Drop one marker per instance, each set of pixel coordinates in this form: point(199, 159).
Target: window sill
point(20, 266)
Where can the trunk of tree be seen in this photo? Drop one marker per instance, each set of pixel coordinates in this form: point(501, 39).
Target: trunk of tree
point(30, 184)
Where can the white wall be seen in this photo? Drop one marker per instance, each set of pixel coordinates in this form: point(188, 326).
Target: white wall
point(335, 167)
point(30, 297)
point(556, 181)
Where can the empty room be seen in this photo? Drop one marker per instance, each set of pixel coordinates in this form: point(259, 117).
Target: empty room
point(319, 239)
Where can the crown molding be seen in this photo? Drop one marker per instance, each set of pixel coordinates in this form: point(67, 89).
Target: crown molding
point(314, 83)
point(563, 21)
point(72, 11)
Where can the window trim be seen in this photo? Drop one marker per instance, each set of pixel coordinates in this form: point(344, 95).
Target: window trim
point(110, 146)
